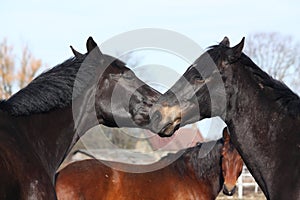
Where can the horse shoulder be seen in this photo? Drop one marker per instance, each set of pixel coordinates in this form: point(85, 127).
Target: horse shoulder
point(87, 178)
point(9, 185)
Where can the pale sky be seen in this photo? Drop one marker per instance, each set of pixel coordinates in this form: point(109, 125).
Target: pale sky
point(50, 27)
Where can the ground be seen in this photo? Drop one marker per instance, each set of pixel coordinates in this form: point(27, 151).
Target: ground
point(248, 195)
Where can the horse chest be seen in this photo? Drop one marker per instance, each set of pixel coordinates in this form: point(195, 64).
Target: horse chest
point(22, 175)
point(23, 185)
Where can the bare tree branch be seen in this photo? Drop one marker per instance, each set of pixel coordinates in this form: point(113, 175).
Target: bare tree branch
point(277, 54)
point(28, 68)
point(6, 69)
point(9, 78)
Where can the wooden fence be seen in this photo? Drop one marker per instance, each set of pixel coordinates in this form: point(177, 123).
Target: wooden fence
point(246, 181)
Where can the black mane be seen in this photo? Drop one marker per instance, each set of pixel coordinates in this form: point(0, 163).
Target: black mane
point(51, 89)
point(277, 90)
point(287, 100)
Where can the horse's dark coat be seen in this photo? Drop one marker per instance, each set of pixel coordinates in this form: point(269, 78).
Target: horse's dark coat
point(262, 114)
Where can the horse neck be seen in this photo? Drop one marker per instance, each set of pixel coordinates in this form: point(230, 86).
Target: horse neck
point(51, 135)
point(247, 84)
point(251, 106)
point(44, 108)
point(203, 162)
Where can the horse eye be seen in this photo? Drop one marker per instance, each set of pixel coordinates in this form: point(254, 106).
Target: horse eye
point(128, 75)
point(198, 79)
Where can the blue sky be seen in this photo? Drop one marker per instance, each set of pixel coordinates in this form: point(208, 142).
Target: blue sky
point(50, 27)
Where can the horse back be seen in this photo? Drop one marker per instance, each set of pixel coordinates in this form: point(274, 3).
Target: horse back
point(91, 179)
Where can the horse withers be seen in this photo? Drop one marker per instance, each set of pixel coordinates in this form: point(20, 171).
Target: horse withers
point(196, 174)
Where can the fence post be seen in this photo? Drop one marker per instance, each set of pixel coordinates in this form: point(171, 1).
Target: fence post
point(240, 186)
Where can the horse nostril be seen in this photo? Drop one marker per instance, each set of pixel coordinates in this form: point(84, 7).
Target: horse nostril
point(177, 127)
point(228, 191)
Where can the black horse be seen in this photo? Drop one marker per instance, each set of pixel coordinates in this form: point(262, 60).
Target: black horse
point(40, 123)
point(262, 114)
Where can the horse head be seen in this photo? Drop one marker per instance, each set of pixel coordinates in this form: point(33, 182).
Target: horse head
point(200, 93)
point(232, 165)
point(120, 98)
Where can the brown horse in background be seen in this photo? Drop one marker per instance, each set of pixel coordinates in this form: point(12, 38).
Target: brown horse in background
point(192, 176)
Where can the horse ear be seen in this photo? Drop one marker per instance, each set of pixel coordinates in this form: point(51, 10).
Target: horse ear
point(225, 42)
point(92, 45)
point(76, 53)
point(237, 49)
point(226, 135)
point(235, 52)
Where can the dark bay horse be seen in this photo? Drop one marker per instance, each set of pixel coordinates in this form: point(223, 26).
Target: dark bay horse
point(194, 175)
point(262, 114)
point(41, 122)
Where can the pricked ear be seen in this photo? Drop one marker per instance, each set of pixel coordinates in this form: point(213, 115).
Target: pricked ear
point(235, 52)
point(92, 45)
point(225, 42)
point(76, 53)
point(226, 135)
point(237, 49)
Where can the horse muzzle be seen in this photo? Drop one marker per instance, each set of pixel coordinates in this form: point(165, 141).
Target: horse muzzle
point(229, 190)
